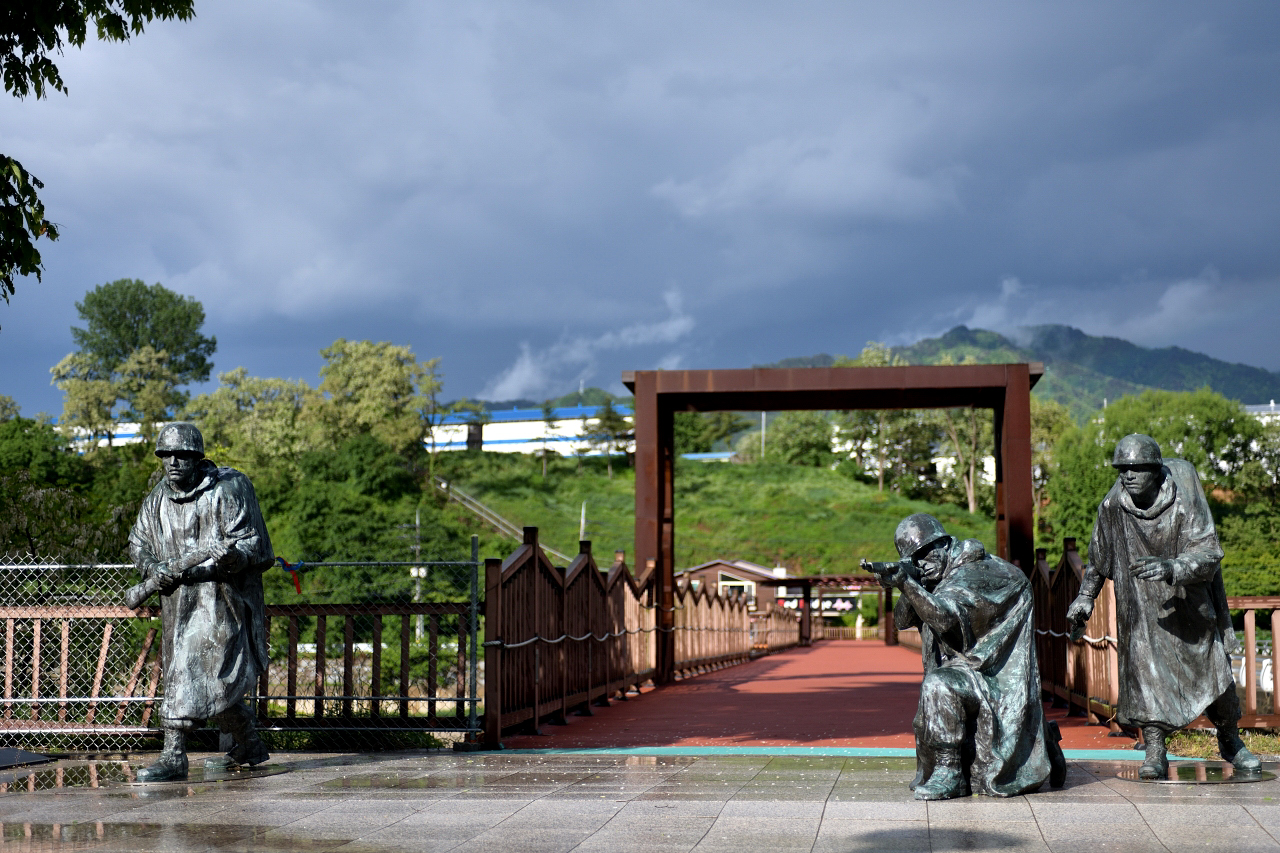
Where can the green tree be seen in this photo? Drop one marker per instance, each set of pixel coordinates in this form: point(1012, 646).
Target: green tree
point(143, 382)
point(801, 438)
point(548, 427)
point(9, 408)
point(123, 316)
point(1211, 432)
point(43, 508)
point(150, 388)
point(1050, 420)
point(612, 432)
point(139, 345)
point(90, 399)
point(258, 425)
point(378, 388)
point(30, 33)
point(690, 433)
point(22, 222)
point(721, 427)
point(699, 432)
point(898, 443)
point(968, 438)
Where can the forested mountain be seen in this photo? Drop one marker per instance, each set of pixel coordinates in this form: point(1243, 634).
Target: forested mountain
point(1081, 371)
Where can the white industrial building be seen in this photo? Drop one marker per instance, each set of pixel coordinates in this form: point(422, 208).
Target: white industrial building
point(526, 431)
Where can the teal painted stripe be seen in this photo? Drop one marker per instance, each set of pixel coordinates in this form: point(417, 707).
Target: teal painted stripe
point(847, 751)
point(855, 751)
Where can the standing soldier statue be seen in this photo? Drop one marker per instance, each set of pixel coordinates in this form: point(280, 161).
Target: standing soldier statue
point(200, 542)
point(1154, 538)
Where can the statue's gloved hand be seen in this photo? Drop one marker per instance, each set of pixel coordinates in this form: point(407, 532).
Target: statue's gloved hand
point(169, 576)
point(897, 578)
point(1153, 569)
point(1079, 612)
point(227, 558)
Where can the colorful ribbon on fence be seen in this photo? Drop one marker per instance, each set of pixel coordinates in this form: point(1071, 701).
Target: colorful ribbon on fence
point(292, 568)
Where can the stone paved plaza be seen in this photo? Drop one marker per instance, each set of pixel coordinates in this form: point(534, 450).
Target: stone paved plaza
point(585, 802)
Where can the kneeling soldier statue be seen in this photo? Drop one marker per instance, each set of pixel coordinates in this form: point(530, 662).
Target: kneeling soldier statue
point(201, 543)
point(980, 726)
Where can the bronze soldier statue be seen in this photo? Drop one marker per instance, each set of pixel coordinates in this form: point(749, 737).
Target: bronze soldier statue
point(980, 725)
point(201, 543)
point(1155, 539)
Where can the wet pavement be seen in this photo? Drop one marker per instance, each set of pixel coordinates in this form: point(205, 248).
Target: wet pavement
point(593, 801)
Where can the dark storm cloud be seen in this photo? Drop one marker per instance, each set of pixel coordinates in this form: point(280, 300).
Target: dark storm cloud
point(547, 194)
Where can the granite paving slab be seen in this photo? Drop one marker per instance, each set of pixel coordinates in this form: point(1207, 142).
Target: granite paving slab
point(549, 803)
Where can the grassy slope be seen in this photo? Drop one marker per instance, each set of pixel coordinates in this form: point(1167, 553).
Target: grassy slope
point(808, 519)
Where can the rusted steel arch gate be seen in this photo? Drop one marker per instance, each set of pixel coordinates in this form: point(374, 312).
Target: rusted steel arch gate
point(659, 394)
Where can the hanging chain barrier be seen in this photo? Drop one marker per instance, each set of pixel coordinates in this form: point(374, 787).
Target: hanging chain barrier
point(362, 655)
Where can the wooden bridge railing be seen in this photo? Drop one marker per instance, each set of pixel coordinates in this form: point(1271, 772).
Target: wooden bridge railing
point(1084, 673)
point(564, 639)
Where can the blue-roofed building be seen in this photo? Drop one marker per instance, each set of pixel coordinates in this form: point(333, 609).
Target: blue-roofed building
point(525, 430)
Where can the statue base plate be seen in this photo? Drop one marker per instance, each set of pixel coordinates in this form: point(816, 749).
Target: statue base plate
point(1199, 773)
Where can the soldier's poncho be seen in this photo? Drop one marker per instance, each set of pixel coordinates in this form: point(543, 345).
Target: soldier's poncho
point(986, 665)
point(214, 645)
point(1175, 640)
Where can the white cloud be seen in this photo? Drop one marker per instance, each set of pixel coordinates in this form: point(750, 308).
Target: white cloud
point(574, 359)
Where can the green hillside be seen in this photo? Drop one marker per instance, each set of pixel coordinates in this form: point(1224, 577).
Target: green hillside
point(1083, 371)
point(808, 519)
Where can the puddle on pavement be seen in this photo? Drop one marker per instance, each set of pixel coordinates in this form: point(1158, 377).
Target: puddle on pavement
point(1199, 773)
point(403, 780)
point(90, 834)
point(117, 774)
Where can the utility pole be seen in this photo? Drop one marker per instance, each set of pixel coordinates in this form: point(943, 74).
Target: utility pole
point(762, 427)
point(418, 573)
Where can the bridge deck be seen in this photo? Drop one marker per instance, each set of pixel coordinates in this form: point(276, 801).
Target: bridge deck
point(837, 693)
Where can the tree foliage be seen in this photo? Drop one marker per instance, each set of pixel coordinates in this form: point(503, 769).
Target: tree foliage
point(140, 344)
point(1235, 455)
point(45, 491)
point(801, 438)
point(126, 315)
point(378, 388)
point(259, 425)
point(1050, 421)
point(32, 31)
point(22, 222)
point(699, 432)
point(612, 433)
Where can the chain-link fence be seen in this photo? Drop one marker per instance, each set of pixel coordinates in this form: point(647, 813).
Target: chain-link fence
point(363, 655)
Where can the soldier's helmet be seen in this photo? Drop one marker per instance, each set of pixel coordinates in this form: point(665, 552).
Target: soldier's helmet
point(1136, 449)
point(915, 532)
point(179, 437)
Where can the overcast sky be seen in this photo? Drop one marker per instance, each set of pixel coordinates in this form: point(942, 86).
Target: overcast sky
point(544, 194)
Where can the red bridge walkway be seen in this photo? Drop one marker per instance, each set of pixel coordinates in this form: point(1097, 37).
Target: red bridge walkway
point(836, 693)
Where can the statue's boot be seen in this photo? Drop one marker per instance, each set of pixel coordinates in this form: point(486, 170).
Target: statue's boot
point(1057, 761)
point(947, 780)
point(249, 750)
point(172, 764)
point(1233, 749)
point(1156, 763)
point(919, 778)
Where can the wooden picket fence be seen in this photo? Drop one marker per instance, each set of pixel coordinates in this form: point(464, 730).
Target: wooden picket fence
point(560, 640)
point(1084, 673)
